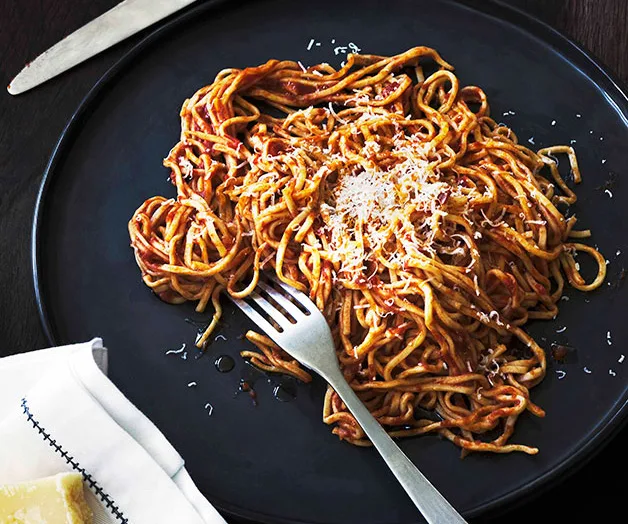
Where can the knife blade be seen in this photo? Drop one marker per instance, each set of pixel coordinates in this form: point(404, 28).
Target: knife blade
point(110, 28)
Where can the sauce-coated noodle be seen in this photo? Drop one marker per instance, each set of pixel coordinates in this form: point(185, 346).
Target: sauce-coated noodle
point(423, 231)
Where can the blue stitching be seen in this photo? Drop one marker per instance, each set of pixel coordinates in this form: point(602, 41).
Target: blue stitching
point(104, 497)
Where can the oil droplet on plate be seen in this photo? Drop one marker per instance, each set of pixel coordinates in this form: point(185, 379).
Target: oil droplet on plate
point(285, 392)
point(224, 363)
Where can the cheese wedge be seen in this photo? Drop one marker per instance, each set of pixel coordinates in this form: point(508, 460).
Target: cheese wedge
point(59, 499)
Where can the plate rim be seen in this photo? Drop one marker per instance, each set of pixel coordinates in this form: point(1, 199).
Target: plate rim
point(606, 429)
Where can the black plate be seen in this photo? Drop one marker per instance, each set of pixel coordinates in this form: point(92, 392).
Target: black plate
point(277, 461)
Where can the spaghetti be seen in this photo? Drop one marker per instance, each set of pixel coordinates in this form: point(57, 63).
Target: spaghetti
point(421, 228)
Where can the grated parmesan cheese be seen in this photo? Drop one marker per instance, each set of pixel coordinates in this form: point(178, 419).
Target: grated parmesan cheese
point(369, 206)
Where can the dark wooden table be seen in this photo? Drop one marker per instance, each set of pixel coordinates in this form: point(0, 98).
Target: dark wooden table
point(32, 123)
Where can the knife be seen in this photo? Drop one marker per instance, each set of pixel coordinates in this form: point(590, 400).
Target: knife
point(120, 22)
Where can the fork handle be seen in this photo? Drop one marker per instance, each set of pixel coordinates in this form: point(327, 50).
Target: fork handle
point(432, 505)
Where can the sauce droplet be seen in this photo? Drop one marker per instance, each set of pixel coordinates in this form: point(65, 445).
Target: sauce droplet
point(563, 353)
point(245, 387)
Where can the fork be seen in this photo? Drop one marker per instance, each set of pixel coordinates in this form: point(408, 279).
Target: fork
point(301, 330)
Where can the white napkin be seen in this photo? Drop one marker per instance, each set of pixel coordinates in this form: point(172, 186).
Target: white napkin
point(60, 412)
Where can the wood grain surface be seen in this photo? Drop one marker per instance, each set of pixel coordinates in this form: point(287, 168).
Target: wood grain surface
point(33, 122)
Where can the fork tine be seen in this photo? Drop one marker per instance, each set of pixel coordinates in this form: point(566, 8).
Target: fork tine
point(268, 328)
point(272, 311)
point(285, 303)
point(300, 297)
